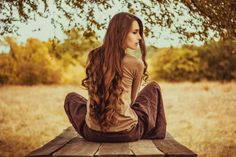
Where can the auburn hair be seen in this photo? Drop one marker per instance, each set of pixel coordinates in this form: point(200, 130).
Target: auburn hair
point(104, 70)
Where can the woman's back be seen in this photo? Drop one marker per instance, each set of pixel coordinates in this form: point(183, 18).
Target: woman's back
point(132, 78)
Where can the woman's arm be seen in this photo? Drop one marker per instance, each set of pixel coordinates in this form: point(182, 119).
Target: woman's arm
point(137, 80)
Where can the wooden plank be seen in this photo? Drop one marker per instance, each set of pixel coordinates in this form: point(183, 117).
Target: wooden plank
point(69, 132)
point(69, 143)
point(172, 148)
point(78, 147)
point(55, 144)
point(114, 149)
point(168, 136)
point(145, 148)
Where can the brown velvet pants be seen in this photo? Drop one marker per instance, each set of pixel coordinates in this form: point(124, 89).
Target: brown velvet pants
point(148, 106)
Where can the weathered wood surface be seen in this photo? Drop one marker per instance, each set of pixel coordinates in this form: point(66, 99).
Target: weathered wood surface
point(55, 144)
point(69, 143)
point(145, 148)
point(78, 147)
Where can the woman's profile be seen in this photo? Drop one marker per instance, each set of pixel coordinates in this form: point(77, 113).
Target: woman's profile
point(117, 110)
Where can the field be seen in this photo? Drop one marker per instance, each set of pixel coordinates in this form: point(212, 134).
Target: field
point(199, 115)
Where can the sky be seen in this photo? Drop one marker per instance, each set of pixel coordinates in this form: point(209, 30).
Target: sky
point(48, 31)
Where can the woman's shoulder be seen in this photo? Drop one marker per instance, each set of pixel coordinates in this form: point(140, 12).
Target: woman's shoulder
point(132, 61)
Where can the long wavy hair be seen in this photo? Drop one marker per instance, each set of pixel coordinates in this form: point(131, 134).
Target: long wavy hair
point(104, 70)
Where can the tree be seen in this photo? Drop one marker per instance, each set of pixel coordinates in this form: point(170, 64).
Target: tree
point(75, 45)
point(199, 17)
point(28, 63)
point(220, 15)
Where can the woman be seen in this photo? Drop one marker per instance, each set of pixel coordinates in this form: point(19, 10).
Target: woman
point(115, 111)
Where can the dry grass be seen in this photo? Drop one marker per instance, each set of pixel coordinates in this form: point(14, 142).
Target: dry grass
point(199, 115)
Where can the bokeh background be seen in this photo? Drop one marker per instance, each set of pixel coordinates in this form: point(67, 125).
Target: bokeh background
point(191, 54)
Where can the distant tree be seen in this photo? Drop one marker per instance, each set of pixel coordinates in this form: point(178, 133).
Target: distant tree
point(200, 15)
point(28, 63)
point(75, 45)
point(218, 61)
point(214, 61)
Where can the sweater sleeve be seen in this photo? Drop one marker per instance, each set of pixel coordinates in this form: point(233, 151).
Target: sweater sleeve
point(137, 80)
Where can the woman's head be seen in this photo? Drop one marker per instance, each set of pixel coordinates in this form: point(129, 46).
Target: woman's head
point(104, 70)
point(133, 37)
point(125, 31)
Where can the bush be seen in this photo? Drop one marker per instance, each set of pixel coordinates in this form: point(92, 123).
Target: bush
point(176, 65)
point(213, 61)
point(29, 64)
point(218, 62)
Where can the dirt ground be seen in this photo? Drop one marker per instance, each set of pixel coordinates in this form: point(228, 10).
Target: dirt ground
point(199, 115)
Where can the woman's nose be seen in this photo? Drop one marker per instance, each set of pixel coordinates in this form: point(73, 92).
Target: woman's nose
point(139, 37)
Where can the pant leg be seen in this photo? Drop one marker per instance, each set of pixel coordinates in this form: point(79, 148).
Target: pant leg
point(75, 108)
point(150, 110)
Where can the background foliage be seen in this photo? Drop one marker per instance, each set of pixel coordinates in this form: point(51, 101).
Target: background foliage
point(191, 19)
point(212, 61)
point(55, 62)
point(51, 62)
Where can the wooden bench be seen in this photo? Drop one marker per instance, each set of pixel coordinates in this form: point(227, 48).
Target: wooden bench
point(69, 143)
